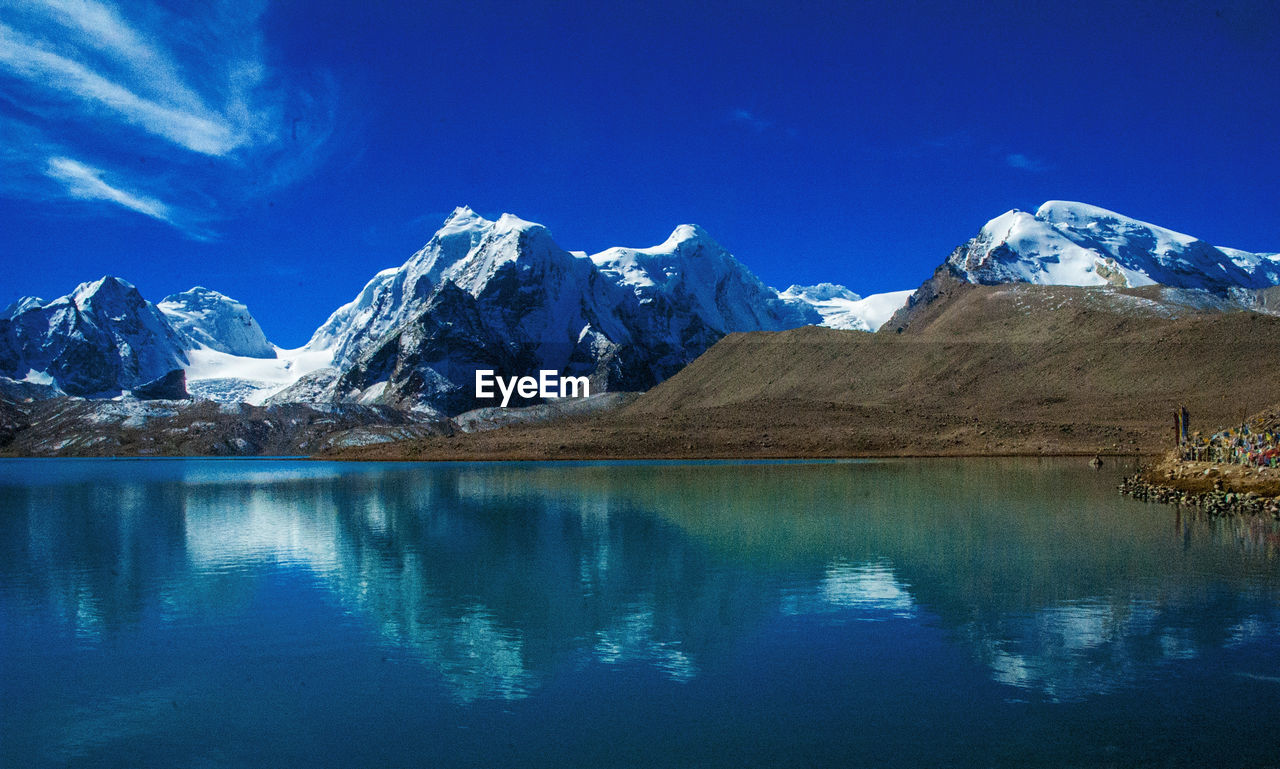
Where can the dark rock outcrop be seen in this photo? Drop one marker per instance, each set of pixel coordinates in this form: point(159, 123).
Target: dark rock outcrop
point(172, 386)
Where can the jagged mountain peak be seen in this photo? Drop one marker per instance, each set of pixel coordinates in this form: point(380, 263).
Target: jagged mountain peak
point(461, 214)
point(21, 305)
point(510, 240)
point(686, 240)
point(512, 223)
point(692, 272)
point(467, 250)
point(464, 237)
point(101, 338)
point(105, 288)
point(628, 316)
point(462, 220)
point(465, 220)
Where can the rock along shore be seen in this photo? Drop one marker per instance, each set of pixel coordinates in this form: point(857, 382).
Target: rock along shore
point(1214, 502)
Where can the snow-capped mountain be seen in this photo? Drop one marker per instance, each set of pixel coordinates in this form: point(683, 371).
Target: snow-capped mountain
point(229, 357)
point(480, 294)
point(516, 303)
point(395, 295)
point(1075, 244)
point(504, 295)
point(100, 339)
point(842, 308)
point(820, 292)
point(105, 338)
point(208, 319)
point(700, 280)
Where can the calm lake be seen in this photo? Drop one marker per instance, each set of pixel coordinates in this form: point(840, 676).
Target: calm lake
point(211, 613)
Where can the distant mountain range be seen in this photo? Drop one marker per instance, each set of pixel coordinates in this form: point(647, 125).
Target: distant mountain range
point(504, 295)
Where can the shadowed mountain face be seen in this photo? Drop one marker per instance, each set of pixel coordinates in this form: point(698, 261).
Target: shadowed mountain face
point(503, 295)
point(104, 337)
point(499, 295)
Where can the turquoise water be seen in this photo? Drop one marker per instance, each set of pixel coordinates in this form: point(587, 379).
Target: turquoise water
point(968, 613)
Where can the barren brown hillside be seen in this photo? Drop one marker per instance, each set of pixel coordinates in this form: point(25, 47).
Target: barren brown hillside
point(979, 370)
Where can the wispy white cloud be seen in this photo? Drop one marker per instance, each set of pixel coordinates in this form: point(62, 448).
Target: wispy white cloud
point(191, 131)
point(97, 26)
point(750, 119)
point(1024, 162)
point(107, 83)
point(85, 183)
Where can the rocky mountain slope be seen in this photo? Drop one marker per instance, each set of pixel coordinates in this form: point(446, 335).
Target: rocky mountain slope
point(78, 427)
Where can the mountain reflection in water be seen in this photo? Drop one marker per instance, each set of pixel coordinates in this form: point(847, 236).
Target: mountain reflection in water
point(500, 579)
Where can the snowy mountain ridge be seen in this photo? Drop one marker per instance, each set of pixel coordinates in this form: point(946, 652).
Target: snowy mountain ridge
point(104, 338)
point(691, 270)
point(465, 250)
point(100, 339)
point(1076, 244)
point(502, 294)
point(206, 318)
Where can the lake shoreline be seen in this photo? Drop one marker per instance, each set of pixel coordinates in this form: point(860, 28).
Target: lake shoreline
point(1216, 488)
point(536, 456)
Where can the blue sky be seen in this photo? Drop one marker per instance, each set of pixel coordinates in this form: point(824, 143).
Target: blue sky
point(282, 153)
